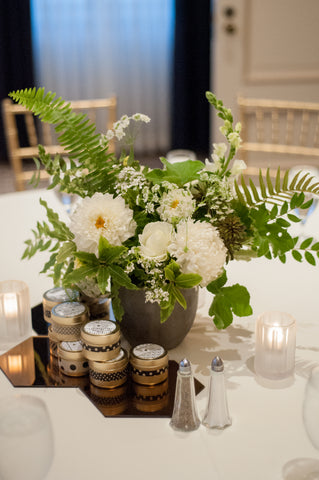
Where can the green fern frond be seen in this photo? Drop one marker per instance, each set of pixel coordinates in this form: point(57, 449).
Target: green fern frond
point(76, 134)
point(275, 191)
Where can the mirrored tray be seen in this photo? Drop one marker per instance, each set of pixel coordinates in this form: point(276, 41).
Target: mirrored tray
point(30, 364)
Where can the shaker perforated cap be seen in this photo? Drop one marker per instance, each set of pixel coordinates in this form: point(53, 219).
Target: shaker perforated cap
point(217, 364)
point(185, 366)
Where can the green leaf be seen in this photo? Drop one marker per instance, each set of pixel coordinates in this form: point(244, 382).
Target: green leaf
point(178, 173)
point(307, 204)
point(284, 208)
point(238, 297)
point(177, 294)
point(108, 253)
point(221, 312)
point(239, 194)
point(188, 280)
point(80, 273)
point(167, 311)
point(282, 258)
point(246, 191)
point(254, 190)
point(118, 309)
point(315, 246)
point(283, 223)
point(50, 263)
point(306, 243)
point(103, 276)
point(87, 258)
point(120, 277)
point(216, 285)
point(293, 218)
point(310, 258)
point(169, 274)
point(296, 255)
point(66, 251)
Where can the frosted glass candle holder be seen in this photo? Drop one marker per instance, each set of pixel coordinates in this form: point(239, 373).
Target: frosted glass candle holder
point(275, 346)
point(15, 313)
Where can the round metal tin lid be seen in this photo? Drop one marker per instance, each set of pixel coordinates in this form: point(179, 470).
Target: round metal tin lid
point(69, 309)
point(100, 327)
point(59, 295)
point(148, 351)
point(70, 350)
point(72, 346)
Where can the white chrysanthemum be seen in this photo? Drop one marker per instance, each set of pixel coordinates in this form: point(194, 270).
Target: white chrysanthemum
point(199, 249)
point(101, 215)
point(176, 205)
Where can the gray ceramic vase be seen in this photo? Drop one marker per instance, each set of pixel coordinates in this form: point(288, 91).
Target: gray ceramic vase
point(141, 320)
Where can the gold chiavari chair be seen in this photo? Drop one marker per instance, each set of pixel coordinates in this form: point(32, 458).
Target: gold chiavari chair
point(101, 111)
point(276, 132)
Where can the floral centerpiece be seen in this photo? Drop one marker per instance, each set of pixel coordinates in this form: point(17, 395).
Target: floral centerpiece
point(161, 230)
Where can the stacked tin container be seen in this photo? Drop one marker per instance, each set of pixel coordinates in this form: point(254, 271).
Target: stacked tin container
point(85, 342)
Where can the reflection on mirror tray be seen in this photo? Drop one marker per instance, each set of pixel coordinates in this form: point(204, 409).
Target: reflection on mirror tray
point(40, 368)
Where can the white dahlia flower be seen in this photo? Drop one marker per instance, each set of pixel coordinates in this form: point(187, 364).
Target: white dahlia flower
point(175, 205)
point(199, 249)
point(101, 215)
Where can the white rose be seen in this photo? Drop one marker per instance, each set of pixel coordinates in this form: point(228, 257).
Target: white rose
point(155, 239)
point(238, 167)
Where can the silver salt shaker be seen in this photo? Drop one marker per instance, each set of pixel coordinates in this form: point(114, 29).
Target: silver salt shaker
point(217, 415)
point(185, 417)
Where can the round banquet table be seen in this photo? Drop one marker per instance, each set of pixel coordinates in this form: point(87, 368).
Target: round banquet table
point(267, 434)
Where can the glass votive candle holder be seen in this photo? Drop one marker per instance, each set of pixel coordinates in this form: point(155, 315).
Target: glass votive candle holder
point(275, 346)
point(15, 313)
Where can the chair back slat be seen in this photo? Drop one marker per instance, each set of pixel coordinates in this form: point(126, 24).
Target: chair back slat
point(304, 128)
point(274, 125)
point(289, 126)
point(316, 132)
point(277, 128)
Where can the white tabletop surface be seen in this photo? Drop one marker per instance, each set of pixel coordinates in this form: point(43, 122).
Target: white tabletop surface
point(267, 432)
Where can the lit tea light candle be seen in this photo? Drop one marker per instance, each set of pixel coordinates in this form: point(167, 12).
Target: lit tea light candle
point(275, 346)
point(15, 313)
point(10, 305)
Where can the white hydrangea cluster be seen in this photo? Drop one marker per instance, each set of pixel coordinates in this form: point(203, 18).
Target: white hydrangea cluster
point(175, 205)
point(199, 249)
point(101, 215)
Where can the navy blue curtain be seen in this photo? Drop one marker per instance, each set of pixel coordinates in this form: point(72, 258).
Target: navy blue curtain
point(191, 76)
point(16, 64)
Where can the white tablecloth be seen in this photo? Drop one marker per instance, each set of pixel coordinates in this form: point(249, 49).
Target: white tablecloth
point(267, 431)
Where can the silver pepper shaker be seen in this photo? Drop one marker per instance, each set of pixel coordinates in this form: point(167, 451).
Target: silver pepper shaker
point(185, 417)
point(217, 415)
